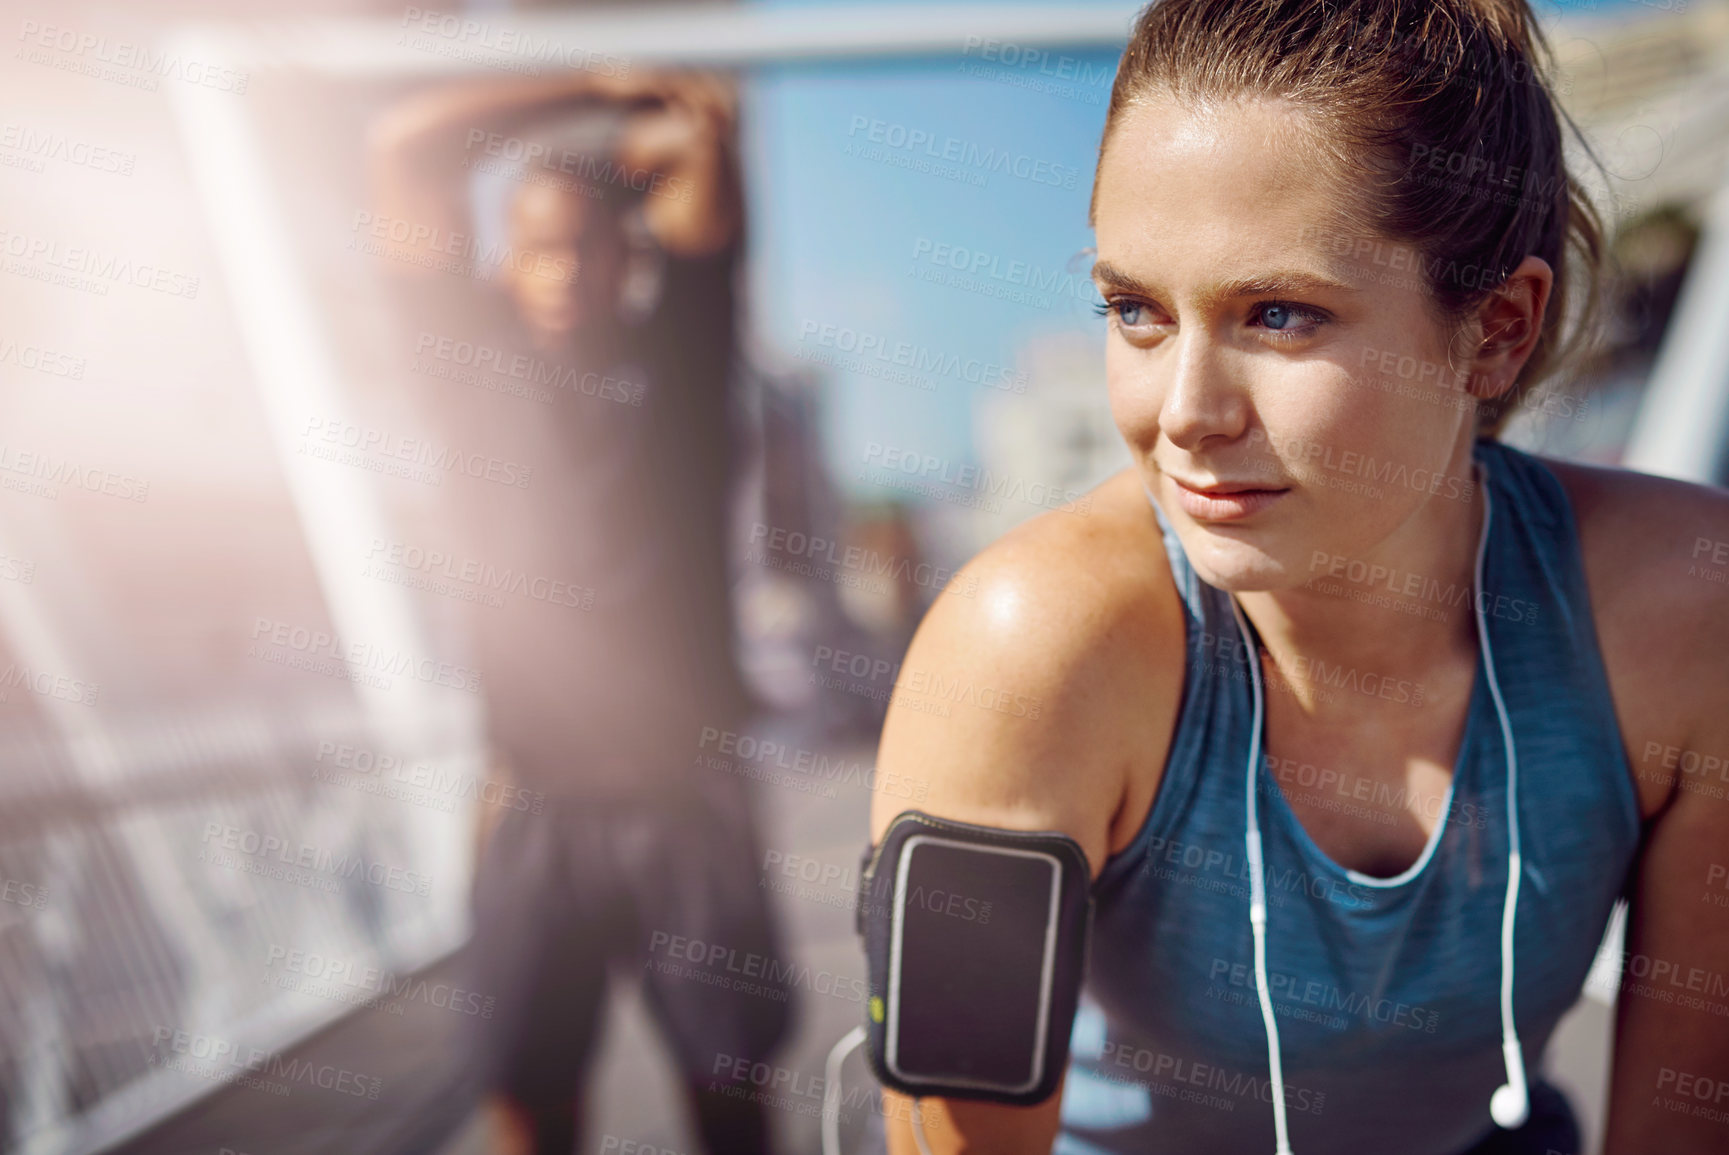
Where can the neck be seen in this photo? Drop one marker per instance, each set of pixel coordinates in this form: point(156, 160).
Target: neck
point(1404, 612)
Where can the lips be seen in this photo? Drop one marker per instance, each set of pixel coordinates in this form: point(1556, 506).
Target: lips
point(1225, 500)
point(1223, 487)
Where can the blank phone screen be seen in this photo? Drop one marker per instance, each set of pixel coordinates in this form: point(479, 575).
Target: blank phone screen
point(972, 957)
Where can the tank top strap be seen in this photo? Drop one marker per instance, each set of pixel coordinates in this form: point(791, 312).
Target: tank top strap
point(1538, 611)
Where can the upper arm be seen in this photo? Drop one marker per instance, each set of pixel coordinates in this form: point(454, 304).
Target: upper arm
point(1657, 561)
point(1036, 686)
point(1672, 1015)
point(1028, 705)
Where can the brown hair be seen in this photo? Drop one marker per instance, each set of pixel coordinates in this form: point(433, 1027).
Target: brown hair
point(1440, 109)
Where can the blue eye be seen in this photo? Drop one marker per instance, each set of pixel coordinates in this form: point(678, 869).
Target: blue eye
point(1288, 321)
point(1126, 312)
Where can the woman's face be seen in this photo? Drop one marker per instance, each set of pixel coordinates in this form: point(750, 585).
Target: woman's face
point(1259, 344)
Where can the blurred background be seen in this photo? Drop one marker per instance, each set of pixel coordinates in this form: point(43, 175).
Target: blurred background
point(249, 761)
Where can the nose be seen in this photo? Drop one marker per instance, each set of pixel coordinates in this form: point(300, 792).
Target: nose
point(1203, 405)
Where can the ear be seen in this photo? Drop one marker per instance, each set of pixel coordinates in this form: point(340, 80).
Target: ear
point(1510, 321)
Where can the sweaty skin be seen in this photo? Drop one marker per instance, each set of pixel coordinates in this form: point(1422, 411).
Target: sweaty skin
point(1242, 336)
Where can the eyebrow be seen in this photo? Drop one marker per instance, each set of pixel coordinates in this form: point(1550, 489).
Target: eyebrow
point(1285, 282)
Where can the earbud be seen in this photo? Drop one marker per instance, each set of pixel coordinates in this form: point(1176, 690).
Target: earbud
point(1509, 1106)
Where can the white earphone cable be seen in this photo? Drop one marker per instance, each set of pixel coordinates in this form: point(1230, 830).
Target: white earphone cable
point(831, 1089)
point(831, 1097)
point(918, 1121)
point(1258, 897)
point(1510, 1106)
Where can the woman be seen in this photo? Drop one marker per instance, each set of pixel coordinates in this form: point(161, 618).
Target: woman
point(1337, 247)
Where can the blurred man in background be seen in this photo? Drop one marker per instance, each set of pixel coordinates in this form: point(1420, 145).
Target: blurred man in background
point(605, 303)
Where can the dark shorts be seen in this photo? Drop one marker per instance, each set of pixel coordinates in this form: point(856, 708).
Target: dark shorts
point(668, 888)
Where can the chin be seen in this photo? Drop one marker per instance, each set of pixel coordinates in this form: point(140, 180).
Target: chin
point(1234, 564)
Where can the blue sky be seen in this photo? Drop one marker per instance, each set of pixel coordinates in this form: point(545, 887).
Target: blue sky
point(837, 234)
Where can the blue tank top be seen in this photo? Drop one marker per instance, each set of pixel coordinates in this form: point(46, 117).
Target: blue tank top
point(1386, 990)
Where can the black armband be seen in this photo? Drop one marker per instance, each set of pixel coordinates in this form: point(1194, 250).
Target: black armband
point(976, 945)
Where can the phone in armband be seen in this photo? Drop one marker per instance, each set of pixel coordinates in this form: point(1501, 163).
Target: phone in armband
point(976, 944)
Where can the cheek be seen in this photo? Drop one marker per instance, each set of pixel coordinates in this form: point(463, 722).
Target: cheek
point(1405, 382)
point(1134, 392)
point(1408, 412)
point(1315, 404)
point(1326, 409)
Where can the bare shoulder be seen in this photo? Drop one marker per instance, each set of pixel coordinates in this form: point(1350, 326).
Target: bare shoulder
point(1656, 556)
point(1040, 695)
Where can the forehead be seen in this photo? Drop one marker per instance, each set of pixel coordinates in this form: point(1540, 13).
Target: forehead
point(1218, 188)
